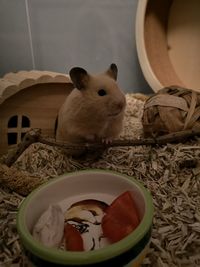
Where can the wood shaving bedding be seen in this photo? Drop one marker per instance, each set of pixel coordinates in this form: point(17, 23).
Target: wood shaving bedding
point(171, 172)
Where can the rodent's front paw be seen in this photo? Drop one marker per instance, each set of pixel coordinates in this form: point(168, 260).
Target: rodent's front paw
point(107, 140)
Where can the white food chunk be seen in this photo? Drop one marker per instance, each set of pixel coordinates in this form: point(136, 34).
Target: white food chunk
point(49, 228)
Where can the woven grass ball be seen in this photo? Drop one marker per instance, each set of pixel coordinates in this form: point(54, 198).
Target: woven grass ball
point(170, 110)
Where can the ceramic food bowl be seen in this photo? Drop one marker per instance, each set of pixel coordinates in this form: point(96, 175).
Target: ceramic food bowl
point(94, 189)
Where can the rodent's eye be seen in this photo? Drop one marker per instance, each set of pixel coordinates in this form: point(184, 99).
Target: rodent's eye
point(102, 92)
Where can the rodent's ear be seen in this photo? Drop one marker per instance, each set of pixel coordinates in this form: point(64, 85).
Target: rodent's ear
point(79, 77)
point(112, 71)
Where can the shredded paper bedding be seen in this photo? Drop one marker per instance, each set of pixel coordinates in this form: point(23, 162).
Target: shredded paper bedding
point(171, 172)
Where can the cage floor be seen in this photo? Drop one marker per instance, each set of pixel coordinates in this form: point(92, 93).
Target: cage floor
point(171, 172)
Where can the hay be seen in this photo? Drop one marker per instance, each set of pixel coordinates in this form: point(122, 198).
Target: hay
point(170, 172)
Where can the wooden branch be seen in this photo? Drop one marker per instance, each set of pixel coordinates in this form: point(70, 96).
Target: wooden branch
point(34, 136)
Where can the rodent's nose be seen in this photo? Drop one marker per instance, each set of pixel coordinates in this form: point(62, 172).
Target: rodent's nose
point(116, 107)
point(119, 105)
point(122, 103)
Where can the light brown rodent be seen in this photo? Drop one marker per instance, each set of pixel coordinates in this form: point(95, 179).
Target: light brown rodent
point(94, 110)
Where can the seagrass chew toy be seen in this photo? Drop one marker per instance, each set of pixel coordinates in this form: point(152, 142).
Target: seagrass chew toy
point(170, 110)
point(18, 181)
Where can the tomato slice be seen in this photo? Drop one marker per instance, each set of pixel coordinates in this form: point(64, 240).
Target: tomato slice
point(121, 218)
point(73, 238)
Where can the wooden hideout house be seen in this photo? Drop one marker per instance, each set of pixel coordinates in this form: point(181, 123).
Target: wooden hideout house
point(30, 99)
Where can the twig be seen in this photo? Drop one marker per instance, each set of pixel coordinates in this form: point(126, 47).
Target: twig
point(34, 136)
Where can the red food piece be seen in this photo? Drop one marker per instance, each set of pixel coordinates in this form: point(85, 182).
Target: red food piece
point(73, 238)
point(121, 218)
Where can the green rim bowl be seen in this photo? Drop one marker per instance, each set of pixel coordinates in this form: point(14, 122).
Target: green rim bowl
point(98, 184)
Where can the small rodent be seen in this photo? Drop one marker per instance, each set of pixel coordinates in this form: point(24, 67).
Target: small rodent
point(94, 110)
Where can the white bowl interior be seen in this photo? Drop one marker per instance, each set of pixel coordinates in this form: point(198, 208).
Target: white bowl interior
point(70, 188)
